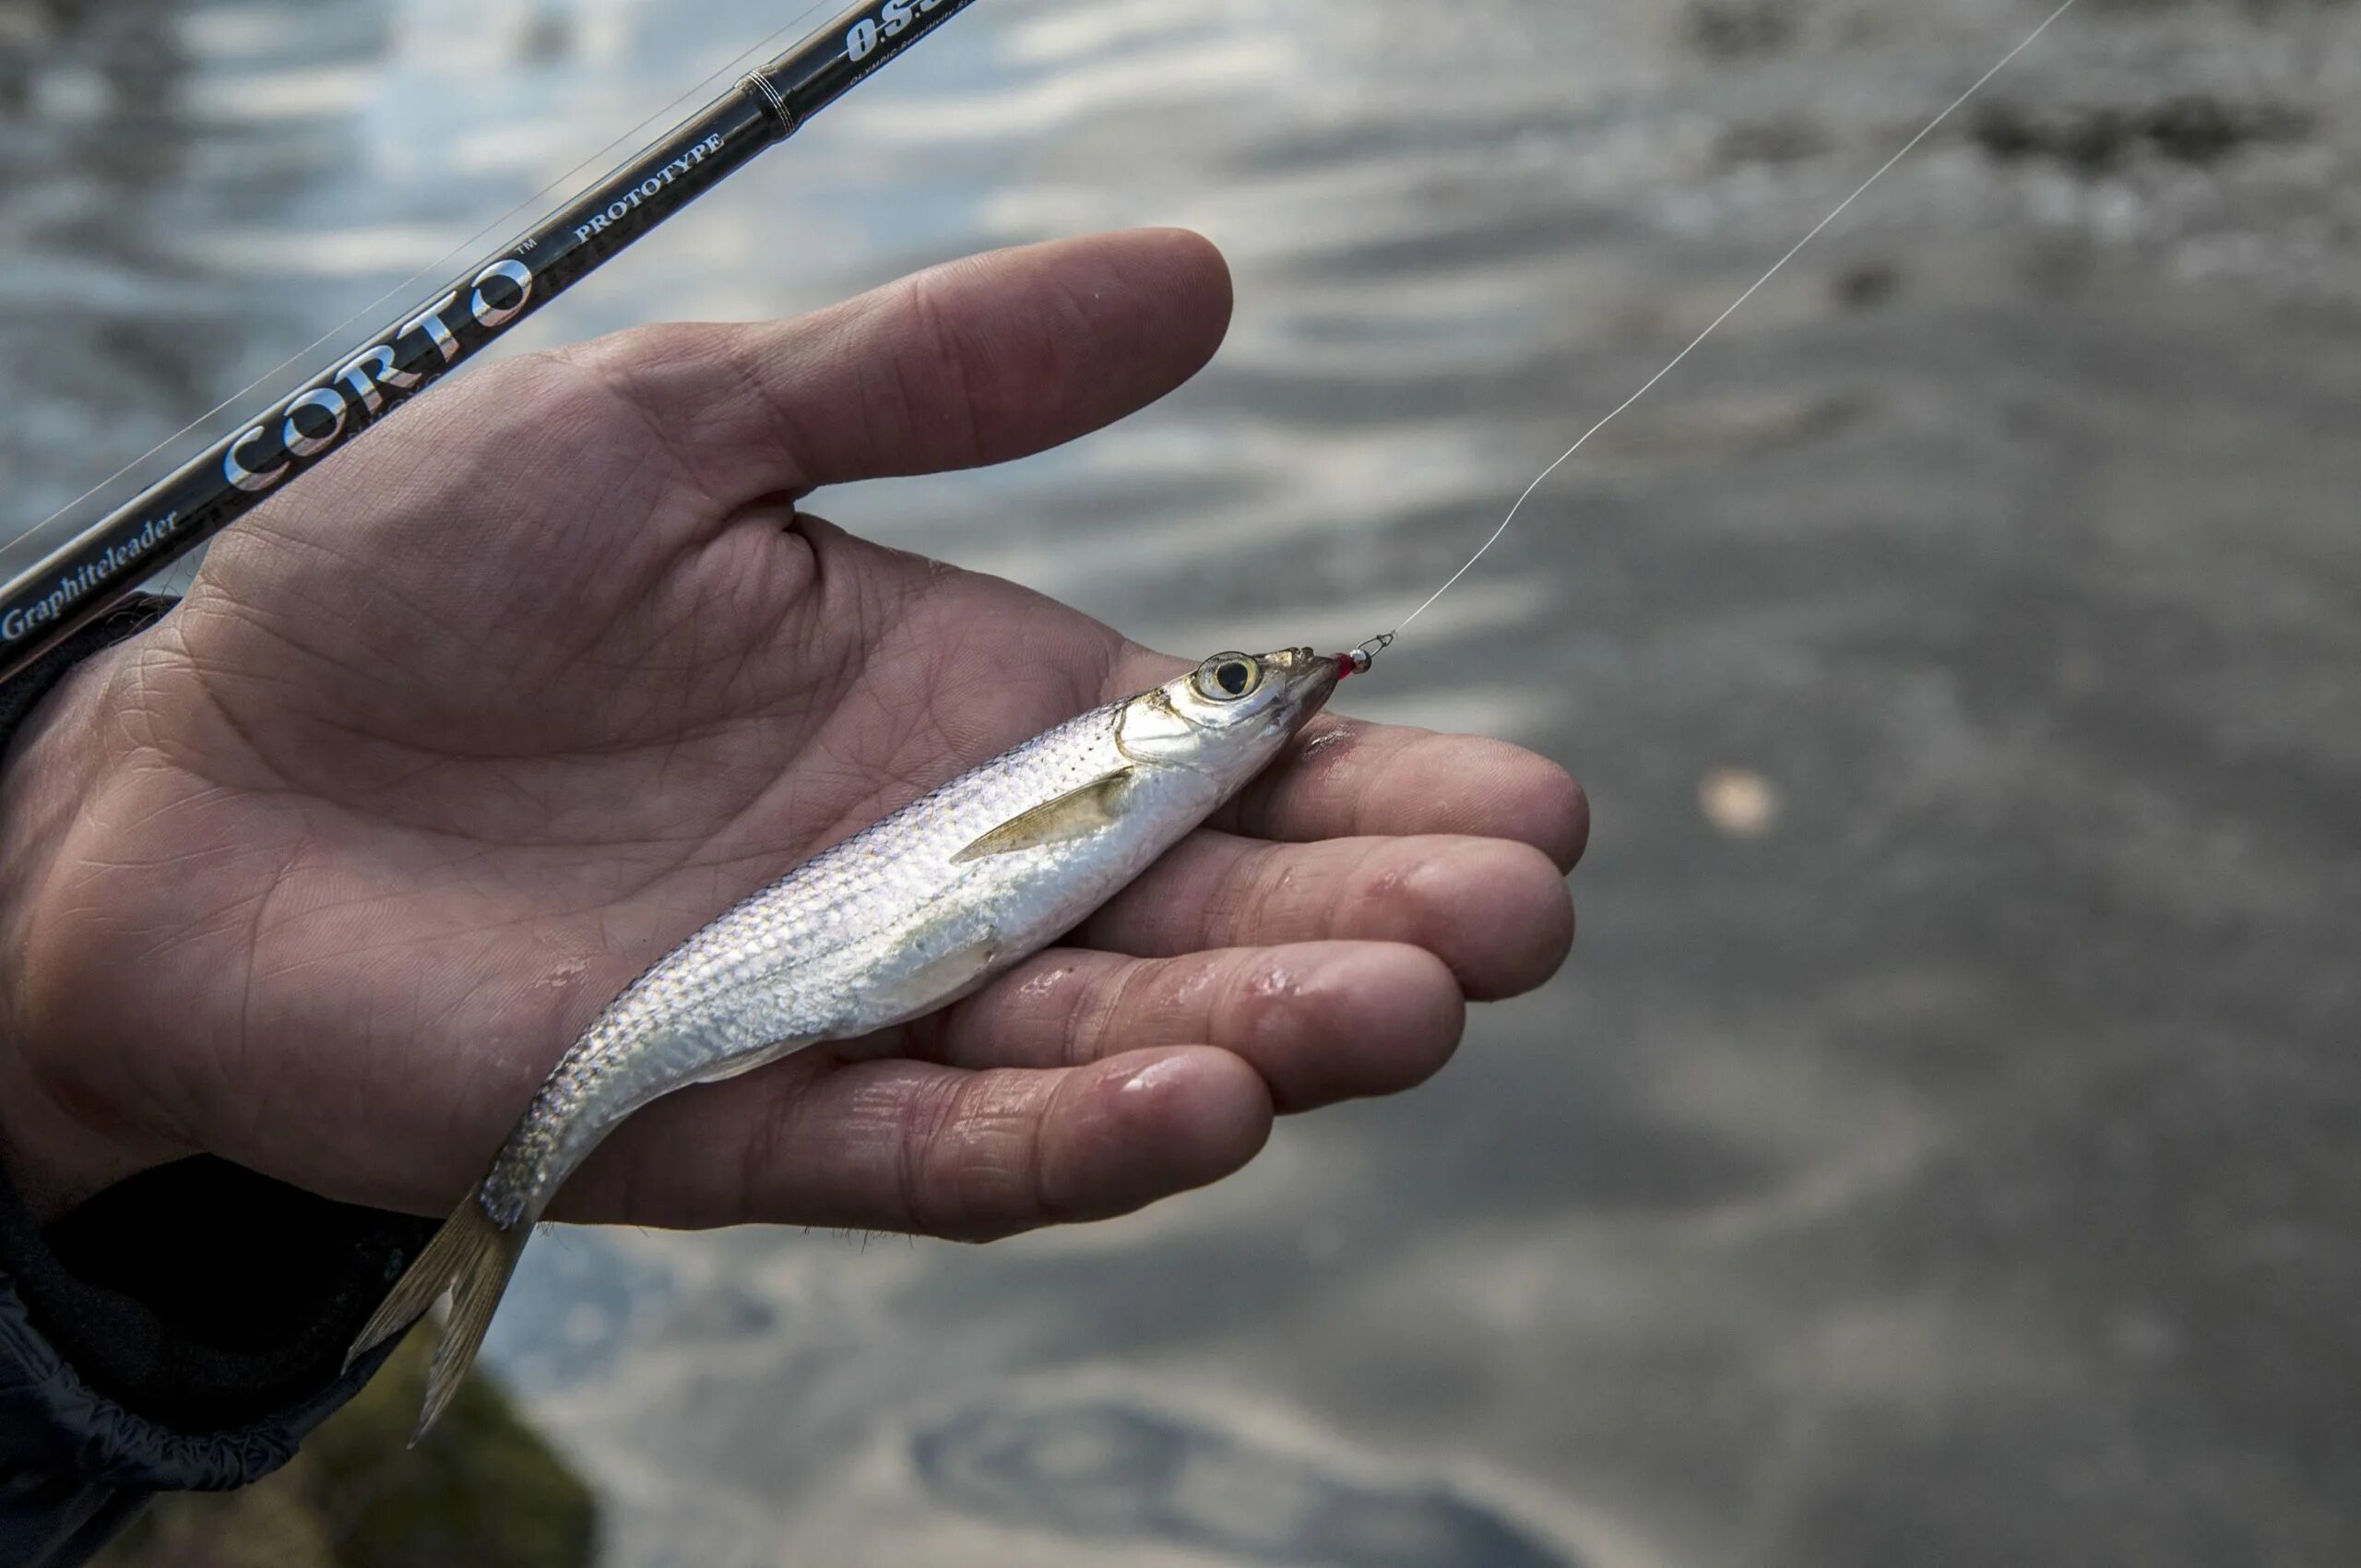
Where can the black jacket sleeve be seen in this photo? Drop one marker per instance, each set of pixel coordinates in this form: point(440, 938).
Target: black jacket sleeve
point(182, 1330)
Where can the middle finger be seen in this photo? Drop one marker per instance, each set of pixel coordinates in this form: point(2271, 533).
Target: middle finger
point(1497, 913)
point(1321, 1022)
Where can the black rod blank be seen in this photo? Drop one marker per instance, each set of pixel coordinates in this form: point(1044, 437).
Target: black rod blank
point(79, 581)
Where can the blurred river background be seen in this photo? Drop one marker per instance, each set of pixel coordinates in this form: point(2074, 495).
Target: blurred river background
point(1945, 1145)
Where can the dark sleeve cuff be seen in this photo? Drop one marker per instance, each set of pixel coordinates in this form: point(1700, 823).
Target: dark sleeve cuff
point(22, 695)
point(185, 1328)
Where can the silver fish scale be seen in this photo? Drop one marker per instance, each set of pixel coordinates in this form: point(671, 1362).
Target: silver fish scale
point(883, 927)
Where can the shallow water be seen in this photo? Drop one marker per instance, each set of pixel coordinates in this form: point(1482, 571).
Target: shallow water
point(1941, 1147)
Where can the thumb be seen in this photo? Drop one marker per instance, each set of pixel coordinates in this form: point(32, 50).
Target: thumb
point(975, 362)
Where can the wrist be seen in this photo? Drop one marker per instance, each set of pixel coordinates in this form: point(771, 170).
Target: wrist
point(51, 768)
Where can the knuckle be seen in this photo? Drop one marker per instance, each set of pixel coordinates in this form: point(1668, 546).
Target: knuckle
point(940, 388)
point(1116, 1013)
point(765, 1154)
point(926, 1156)
point(1239, 904)
point(635, 349)
point(1054, 1191)
point(1381, 896)
point(974, 1173)
point(1262, 1004)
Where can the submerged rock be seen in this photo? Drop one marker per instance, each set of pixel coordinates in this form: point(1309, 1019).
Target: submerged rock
point(485, 1488)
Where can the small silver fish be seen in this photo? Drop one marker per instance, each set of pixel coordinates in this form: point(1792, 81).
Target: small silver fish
point(895, 921)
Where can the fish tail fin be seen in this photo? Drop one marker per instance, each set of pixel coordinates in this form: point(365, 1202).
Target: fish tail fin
point(472, 1258)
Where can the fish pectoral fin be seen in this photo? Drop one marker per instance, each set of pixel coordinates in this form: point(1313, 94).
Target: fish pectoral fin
point(1078, 814)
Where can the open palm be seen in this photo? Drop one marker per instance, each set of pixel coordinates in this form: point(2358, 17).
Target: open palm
point(445, 745)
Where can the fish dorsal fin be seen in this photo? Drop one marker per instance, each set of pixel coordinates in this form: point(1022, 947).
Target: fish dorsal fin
point(1078, 814)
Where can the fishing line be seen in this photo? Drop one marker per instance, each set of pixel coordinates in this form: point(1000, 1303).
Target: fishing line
point(430, 270)
point(1375, 644)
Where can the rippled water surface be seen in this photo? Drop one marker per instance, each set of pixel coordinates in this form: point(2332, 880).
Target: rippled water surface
point(1943, 1149)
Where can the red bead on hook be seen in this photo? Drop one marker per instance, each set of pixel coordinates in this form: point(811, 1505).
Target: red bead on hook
point(1357, 661)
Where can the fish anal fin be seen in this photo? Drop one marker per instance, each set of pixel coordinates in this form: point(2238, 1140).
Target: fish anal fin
point(1078, 814)
point(737, 1066)
point(939, 980)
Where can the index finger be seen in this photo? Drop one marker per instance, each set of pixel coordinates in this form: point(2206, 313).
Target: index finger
point(1349, 777)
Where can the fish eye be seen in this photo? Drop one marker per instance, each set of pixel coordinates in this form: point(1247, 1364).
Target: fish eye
point(1226, 677)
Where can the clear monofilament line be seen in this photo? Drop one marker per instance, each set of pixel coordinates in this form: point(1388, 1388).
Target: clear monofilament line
point(1925, 131)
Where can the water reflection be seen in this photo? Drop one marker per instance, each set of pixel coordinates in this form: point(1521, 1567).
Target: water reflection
point(1118, 1473)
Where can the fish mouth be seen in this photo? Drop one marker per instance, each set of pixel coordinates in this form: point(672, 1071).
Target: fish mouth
point(1308, 679)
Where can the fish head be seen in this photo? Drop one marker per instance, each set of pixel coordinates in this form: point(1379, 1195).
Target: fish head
point(1231, 713)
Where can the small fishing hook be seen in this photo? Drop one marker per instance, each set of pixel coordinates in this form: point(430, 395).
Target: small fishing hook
point(1357, 661)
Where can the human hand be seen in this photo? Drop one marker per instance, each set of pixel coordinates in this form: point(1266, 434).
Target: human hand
point(445, 745)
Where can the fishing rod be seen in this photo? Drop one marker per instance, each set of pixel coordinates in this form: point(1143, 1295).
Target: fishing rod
point(83, 578)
